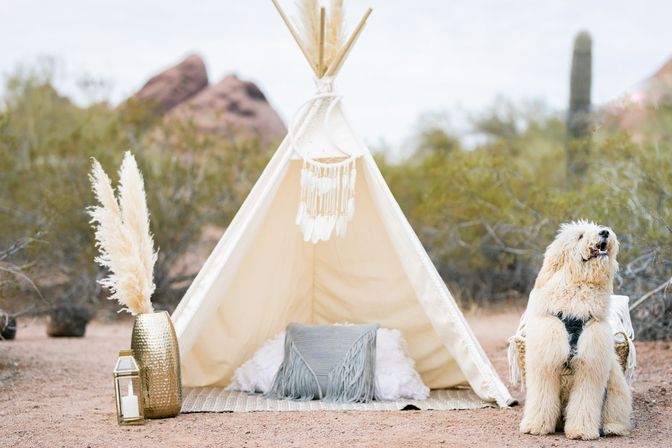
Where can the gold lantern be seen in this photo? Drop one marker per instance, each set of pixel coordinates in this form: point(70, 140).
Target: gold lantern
point(128, 390)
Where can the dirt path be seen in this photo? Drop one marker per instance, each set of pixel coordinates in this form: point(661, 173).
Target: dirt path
point(57, 392)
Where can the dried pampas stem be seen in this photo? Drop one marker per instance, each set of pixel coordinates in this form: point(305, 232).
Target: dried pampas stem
point(335, 65)
point(136, 218)
point(309, 29)
point(320, 61)
point(293, 31)
point(320, 33)
point(335, 25)
point(123, 237)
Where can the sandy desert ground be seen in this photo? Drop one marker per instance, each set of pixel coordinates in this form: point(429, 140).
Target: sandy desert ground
point(58, 393)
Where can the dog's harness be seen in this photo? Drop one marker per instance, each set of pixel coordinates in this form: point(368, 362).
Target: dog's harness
point(574, 327)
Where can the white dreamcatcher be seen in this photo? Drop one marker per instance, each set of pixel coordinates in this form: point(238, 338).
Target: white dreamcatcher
point(327, 197)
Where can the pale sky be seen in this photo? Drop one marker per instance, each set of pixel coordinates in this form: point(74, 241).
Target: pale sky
point(414, 57)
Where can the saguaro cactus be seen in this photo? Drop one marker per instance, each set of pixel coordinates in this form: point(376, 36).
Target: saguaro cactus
point(578, 115)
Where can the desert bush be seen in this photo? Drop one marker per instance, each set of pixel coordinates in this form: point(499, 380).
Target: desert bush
point(482, 213)
point(16, 280)
point(46, 143)
point(486, 214)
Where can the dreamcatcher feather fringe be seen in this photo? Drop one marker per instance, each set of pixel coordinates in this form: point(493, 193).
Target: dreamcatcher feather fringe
point(327, 200)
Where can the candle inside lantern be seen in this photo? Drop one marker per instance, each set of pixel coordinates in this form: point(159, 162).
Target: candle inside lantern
point(129, 404)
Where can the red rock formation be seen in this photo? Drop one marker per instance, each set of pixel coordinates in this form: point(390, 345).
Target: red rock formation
point(633, 110)
point(175, 85)
point(664, 73)
point(232, 107)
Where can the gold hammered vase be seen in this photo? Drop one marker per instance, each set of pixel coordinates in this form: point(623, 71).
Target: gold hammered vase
point(154, 346)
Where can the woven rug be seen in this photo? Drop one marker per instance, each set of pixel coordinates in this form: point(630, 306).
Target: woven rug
point(217, 399)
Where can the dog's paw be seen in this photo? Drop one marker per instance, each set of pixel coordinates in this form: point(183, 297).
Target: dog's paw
point(616, 429)
point(524, 427)
point(582, 434)
point(536, 428)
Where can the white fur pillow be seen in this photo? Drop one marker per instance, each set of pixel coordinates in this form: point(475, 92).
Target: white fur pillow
point(396, 376)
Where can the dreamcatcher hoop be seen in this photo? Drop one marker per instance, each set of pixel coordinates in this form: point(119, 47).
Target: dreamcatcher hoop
point(327, 197)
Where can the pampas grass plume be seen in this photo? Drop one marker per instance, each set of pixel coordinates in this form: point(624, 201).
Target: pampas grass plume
point(334, 35)
point(123, 237)
point(309, 29)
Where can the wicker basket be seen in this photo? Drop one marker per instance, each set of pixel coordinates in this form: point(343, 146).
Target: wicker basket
point(622, 351)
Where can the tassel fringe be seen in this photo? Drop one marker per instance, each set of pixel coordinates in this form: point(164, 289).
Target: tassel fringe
point(513, 356)
point(632, 362)
point(294, 379)
point(327, 201)
point(353, 381)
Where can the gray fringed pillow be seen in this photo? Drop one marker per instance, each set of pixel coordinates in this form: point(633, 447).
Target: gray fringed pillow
point(329, 362)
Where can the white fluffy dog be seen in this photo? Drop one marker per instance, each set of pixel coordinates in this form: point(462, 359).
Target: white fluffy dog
point(572, 371)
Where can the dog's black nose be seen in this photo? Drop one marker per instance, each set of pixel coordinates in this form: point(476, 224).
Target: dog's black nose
point(604, 233)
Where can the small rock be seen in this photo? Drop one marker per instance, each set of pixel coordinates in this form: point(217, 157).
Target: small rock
point(67, 321)
point(7, 326)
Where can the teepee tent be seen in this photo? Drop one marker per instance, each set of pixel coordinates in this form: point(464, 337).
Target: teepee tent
point(271, 268)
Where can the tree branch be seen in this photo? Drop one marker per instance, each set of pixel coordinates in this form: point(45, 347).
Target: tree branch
point(651, 293)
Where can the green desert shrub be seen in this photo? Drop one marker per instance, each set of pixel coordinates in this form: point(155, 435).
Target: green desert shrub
point(46, 145)
point(486, 213)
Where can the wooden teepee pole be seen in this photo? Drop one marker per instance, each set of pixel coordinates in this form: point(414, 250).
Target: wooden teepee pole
point(296, 37)
point(336, 64)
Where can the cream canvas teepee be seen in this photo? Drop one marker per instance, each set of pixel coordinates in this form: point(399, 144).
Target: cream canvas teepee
point(263, 274)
